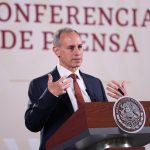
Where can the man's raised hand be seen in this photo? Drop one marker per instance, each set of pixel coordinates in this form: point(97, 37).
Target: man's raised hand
point(59, 87)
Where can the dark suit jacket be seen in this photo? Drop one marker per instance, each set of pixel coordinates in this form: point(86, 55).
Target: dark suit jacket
point(46, 112)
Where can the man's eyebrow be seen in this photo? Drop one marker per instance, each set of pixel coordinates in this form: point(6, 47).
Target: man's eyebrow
point(71, 45)
point(75, 45)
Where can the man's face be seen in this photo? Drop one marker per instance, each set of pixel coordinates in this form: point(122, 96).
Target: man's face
point(70, 51)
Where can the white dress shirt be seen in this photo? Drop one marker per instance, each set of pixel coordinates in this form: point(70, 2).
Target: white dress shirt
point(64, 72)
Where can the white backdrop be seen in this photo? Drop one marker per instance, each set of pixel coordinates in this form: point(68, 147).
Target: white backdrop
point(117, 46)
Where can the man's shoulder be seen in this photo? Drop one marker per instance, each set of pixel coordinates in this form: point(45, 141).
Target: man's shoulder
point(43, 77)
point(39, 81)
point(89, 76)
point(40, 78)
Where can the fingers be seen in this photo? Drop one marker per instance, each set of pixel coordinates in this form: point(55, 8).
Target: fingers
point(113, 92)
point(62, 79)
point(59, 87)
point(50, 78)
point(113, 95)
point(64, 82)
point(123, 85)
point(115, 84)
point(115, 89)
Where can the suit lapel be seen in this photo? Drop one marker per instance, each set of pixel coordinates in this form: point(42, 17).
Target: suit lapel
point(55, 74)
point(65, 97)
point(89, 88)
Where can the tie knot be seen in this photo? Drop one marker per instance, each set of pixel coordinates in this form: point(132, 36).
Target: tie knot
point(73, 76)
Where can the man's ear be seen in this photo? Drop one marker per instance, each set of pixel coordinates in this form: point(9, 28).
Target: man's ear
point(56, 50)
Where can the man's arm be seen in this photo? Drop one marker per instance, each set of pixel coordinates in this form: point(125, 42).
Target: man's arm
point(42, 102)
point(40, 105)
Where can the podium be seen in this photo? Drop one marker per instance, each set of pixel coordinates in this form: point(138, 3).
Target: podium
point(92, 127)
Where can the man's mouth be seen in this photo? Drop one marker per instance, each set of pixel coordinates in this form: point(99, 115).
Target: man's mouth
point(77, 59)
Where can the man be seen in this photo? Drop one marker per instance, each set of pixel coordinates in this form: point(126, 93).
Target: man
point(53, 97)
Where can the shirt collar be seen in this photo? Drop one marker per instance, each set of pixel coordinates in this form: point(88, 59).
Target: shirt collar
point(65, 72)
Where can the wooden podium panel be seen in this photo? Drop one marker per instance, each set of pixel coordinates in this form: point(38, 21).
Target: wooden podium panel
point(92, 127)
